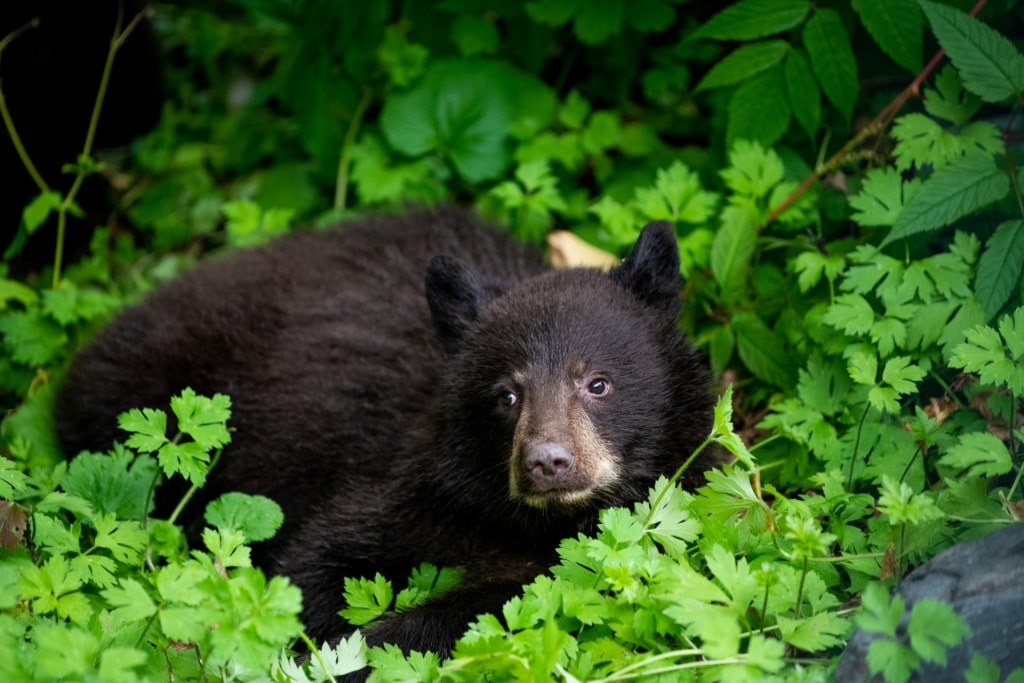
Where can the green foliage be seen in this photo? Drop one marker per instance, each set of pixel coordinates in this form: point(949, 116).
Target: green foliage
point(857, 285)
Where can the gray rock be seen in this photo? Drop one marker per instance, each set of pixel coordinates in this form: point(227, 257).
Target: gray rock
point(984, 581)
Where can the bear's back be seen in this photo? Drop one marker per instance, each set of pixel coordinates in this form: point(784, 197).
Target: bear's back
point(272, 327)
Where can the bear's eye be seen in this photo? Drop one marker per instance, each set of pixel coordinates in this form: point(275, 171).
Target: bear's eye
point(507, 399)
point(599, 387)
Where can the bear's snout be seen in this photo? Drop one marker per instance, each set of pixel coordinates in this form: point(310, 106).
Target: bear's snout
point(548, 464)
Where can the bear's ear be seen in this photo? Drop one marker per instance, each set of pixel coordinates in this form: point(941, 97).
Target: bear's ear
point(455, 294)
point(651, 271)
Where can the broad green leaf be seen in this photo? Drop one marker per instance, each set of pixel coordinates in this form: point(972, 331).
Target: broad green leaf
point(732, 250)
point(759, 109)
point(828, 45)
point(966, 185)
point(816, 633)
point(743, 63)
point(203, 418)
point(752, 19)
point(851, 313)
point(474, 35)
point(39, 209)
point(991, 67)
point(762, 351)
point(896, 26)
point(803, 91)
point(257, 517)
point(1000, 267)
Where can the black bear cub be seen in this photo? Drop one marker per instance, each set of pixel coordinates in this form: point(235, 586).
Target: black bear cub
point(412, 389)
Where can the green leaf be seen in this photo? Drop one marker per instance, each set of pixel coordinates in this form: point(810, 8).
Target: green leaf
point(117, 483)
point(901, 375)
point(978, 454)
point(815, 633)
point(1000, 267)
point(129, 601)
point(934, 627)
point(731, 253)
point(366, 600)
point(882, 196)
point(677, 195)
point(203, 418)
point(901, 505)
point(896, 26)
point(892, 659)
point(39, 209)
point(744, 63)
point(32, 339)
point(474, 35)
point(948, 100)
point(761, 350)
point(751, 19)
point(966, 185)
point(190, 460)
point(850, 313)
point(983, 352)
point(148, 428)
point(759, 109)
point(460, 109)
point(828, 45)
point(803, 91)
point(125, 539)
point(257, 517)
point(990, 66)
point(753, 170)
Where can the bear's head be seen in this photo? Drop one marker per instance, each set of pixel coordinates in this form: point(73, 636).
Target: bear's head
point(566, 392)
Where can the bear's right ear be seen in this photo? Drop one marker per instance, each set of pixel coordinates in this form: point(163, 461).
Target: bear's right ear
point(651, 271)
point(455, 294)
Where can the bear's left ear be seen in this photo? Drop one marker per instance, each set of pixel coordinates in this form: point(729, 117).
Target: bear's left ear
point(651, 271)
point(455, 294)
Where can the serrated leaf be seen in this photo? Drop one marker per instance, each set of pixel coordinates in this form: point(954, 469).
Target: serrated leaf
point(803, 91)
point(966, 185)
point(983, 352)
point(759, 109)
point(129, 601)
point(366, 599)
point(148, 428)
point(828, 45)
point(882, 196)
point(934, 627)
point(743, 63)
point(116, 483)
point(1000, 267)
point(990, 66)
point(978, 454)
point(815, 633)
point(751, 19)
point(39, 209)
point(896, 26)
point(203, 418)
point(31, 338)
point(190, 460)
point(753, 170)
point(948, 100)
point(850, 313)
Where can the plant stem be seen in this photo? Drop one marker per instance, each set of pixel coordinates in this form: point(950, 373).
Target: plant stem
point(90, 135)
point(5, 113)
point(675, 478)
point(856, 447)
point(800, 591)
point(341, 184)
point(192, 489)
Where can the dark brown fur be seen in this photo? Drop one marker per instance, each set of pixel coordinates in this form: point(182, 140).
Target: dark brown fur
point(473, 420)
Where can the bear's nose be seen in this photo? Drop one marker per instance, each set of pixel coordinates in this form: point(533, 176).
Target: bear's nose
point(548, 462)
